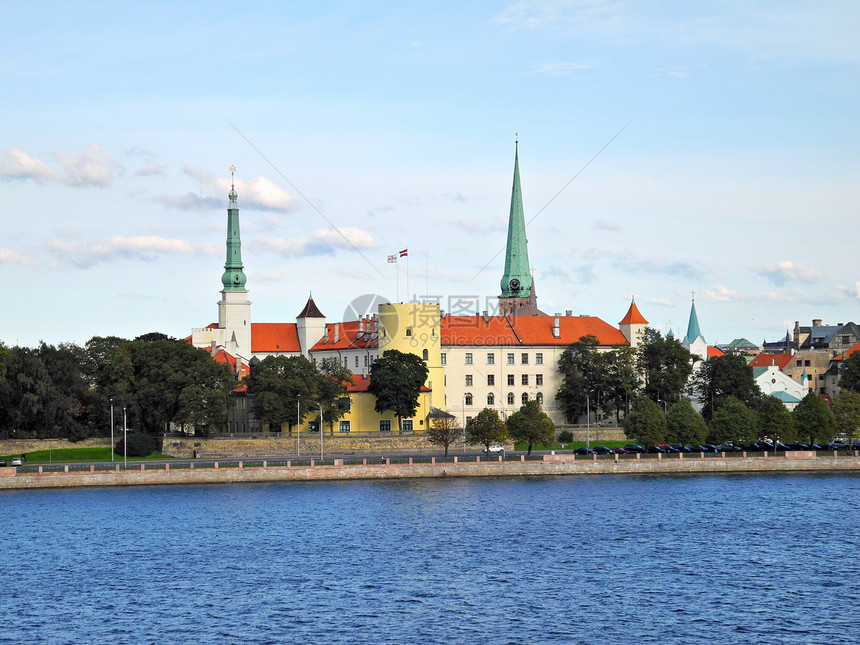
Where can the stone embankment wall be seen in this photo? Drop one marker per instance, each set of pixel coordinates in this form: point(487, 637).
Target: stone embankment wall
point(496, 467)
point(18, 446)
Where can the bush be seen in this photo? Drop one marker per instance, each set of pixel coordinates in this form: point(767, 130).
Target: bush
point(565, 436)
point(139, 445)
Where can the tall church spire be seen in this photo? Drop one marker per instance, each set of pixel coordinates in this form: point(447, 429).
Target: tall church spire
point(517, 282)
point(233, 278)
point(693, 331)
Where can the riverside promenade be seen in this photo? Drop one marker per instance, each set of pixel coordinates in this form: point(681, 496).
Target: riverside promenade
point(341, 469)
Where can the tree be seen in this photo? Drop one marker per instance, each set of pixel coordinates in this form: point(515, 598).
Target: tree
point(443, 431)
point(581, 371)
point(333, 381)
point(621, 379)
point(664, 365)
point(531, 425)
point(281, 386)
point(774, 421)
point(733, 421)
point(395, 380)
point(646, 423)
point(684, 425)
point(813, 419)
point(486, 428)
point(846, 413)
point(849, 373)
point(722, 377)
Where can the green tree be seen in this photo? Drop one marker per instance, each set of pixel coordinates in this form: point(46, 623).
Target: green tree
point(684, 425)
point(24, 395)
point(285, 389)
point(775, 421)
point(849, 373)
point(646, 423)
point(813, 419)
point(733, 421)
point(68, 395)
point(664, 365)
point(531, 425)
point(582, 374)
point(486, 428)
point(846, 413)
point(395, 380)
point(108, 369)
point(724, 376)
point(334, 379)
point(444, 431)
point(620, 380)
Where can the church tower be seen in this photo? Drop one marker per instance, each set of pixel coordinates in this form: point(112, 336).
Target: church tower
point(234, 308)
point(694, 341)
point(518, 294)
point(633, 325)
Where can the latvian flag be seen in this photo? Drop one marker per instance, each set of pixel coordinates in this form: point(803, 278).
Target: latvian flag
point(404, 253)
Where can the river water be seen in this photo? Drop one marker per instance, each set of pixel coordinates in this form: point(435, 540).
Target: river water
point(606, 559)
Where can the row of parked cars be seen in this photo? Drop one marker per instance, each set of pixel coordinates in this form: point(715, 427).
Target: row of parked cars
point(16, 461)
point(762, 446)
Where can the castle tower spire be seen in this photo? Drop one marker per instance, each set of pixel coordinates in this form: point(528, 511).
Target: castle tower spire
point(517, 283)
point(693, 331)
point(233, 278)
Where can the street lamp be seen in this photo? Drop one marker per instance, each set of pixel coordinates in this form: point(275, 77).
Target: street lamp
point(321, 432)
point(124, 438)
point(665, 410)
point(587, 421)
point(298, 423)
point(111, 430)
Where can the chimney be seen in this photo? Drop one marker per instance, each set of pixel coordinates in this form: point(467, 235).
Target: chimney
point(816, 322)
point(360, 332)
point(568, 312)
point(336, 332)
point(484, 316)
point(556, 329)
point(325, 336)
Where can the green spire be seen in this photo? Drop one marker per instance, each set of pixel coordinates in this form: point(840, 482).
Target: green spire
point(693, 331)
point(517, 279)
point(233, 278)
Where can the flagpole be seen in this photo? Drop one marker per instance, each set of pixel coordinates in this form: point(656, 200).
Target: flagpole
point(398, 280)
point(408, 293)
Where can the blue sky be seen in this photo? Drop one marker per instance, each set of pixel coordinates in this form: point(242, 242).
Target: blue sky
point(736, 175)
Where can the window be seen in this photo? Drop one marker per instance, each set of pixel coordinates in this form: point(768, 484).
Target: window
point(407, 425)
point(799, 363)
point(468, 420)
point(385, 425)
point(313, 426)
point(525, 359)
point(539, 398)
point(806, 363)
point(525, 379)
point(468, 380)
point(408, 332)
point(538, 359)
point(343, 426)
point(468, 358)
point(425, 355)
point(356, 360)
point(491, 359)
point(491, 379)
point(510, 398)
point(346, 361)
point(538, 379)
point(366, 358)
point(510, 379)
point(510, 359)
point(491, 399)
point(525, 397)
point(468, 398)
point(444, 359)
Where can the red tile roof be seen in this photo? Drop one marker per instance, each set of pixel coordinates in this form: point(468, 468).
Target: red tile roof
point(310, 310)
point(848, 352)
point(274, 337)
point(347, 337)
point(223, 357)
point(633, 317)
point(360, 383)
point(713, 352)
point(766, 360)
point(526, 330)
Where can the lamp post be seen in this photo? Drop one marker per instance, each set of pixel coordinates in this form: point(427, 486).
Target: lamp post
point(321, 432)
point(665, 409)
point(111, 430)
point(124, 438)
point(298, 423)
point(587, 421)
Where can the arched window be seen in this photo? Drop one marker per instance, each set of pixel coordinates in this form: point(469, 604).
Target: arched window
point(425, 355)
point(525, 397)
point(468, 399)
point(510, 398)
point(409, 331)
point(539, 398)
point(491, 399)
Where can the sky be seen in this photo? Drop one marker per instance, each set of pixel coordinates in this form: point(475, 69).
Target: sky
point(666, 149)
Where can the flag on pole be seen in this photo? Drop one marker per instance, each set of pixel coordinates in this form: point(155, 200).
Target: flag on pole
point(404, 253)
point(392, 259)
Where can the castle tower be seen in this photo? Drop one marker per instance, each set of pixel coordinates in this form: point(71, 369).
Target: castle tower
point(633, 325)
point(518, 294)
point(310, 326)
point(416, 328)
point(234, 308)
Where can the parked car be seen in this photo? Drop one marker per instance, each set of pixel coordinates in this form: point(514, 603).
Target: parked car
point(681, 448)
point(2, 462)
point(729, 447)
point(620, 451)
point(653, 450)
point(583, 451)
point(17, 461)
point(496, 448)
point(668, 449)
point(709, 447)
point(602, 450)
point(632, 447)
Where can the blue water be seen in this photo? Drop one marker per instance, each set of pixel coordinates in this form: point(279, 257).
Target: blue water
point(727, 559)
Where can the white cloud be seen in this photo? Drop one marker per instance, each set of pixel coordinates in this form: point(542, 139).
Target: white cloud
point(10, 256)
point(606, 225)
point(787, 271)
point(95, 166)
point(722, 294)
point(348, 237)
point(87, 254)
point(149, 169)
point(320, 242)
point(661, 302)
point(260, 192)
point(271, 276)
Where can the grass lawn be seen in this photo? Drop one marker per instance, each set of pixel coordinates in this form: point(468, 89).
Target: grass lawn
point(72, 455)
